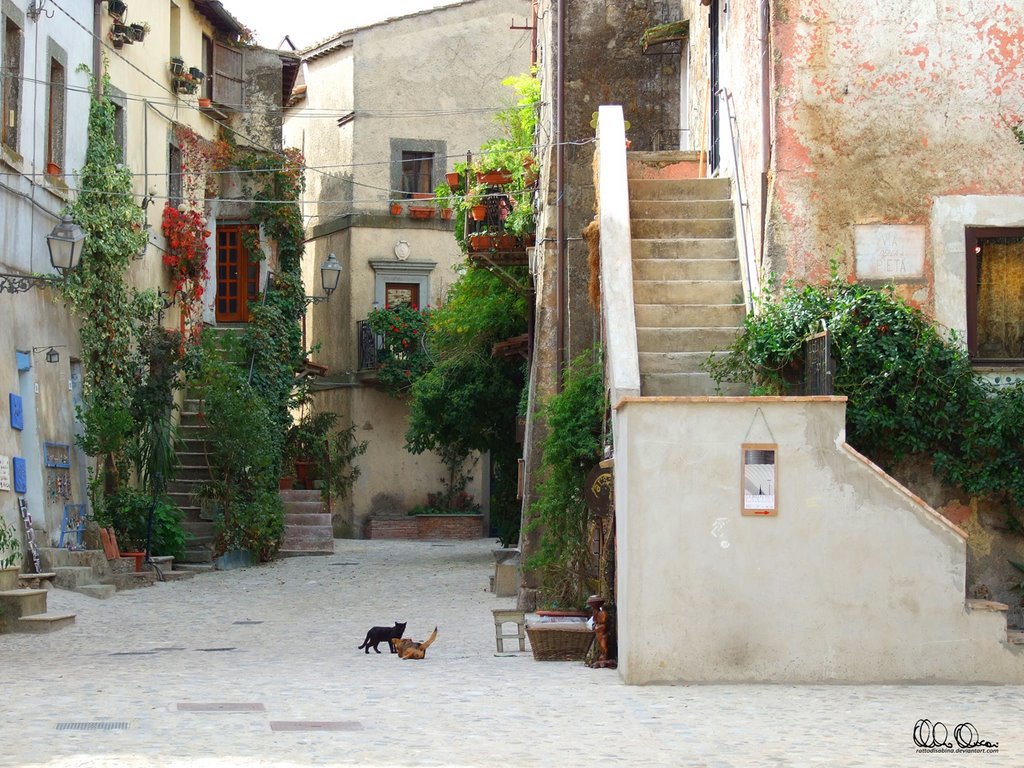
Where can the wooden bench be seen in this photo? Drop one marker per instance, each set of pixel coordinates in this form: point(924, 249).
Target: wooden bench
point(110, 548)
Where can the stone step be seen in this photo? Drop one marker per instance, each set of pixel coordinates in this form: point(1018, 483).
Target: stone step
point(680, 189)
point(131, 580)
point(305, 507)
point(684, 248)
point(22, 602)
point(194, 568)
point(689, 315)
point(198, 528)
point(52, 558)
point(177, 575)
point(680, 209)
point(183, 487)
point(670, 229)
point(307, 518)
point(668, 163)
point(1015, 636)
point(307, 538)
point(98, 591)
point(299, 494)
point(192, 459)
point(196, 555)
point(193, 473)
point(43, 622)
point(688, 292)
point(73, 576)
point(686, 385)
point(693, 339)
point(686, 269)
point(675, 362)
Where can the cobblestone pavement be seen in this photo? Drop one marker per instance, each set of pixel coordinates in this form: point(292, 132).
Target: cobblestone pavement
point(276, 648)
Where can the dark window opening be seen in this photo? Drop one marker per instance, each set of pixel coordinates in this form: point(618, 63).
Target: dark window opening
point(995, 295)
point(57, 111)
point(417, 173)
point(11, 77)
point(174, 172)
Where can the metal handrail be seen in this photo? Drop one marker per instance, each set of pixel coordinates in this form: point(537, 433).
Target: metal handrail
point(751, 270)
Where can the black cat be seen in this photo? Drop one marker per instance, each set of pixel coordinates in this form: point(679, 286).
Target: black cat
point(383, 634)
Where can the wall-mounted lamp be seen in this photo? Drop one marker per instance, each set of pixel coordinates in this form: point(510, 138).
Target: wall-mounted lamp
point(65, 245)
point(330, 273)
point(52, 355)
point(37, 7)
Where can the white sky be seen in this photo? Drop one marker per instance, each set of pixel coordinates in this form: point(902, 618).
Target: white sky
point(309, 21)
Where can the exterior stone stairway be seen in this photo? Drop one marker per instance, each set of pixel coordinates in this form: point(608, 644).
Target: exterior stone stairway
point(24, 610)
point(307, 524)
point(687, 285)
point(193, 470)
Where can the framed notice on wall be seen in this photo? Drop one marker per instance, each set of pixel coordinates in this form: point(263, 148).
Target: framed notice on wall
point(760, 479)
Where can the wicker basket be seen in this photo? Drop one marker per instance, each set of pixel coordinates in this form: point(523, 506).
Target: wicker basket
point(559, 642)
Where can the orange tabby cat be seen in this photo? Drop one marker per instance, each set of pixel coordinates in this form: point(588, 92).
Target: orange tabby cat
point(410, 649)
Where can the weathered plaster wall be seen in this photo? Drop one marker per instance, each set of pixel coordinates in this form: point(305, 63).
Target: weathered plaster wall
point(855, 579)
point(882, 108)
point(30, 201)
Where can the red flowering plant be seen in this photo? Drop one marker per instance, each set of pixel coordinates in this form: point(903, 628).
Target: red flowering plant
point(185, 256)
point(401, 355)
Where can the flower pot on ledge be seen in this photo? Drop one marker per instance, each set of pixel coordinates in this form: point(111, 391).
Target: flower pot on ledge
point(494, 178)
point(420, 212)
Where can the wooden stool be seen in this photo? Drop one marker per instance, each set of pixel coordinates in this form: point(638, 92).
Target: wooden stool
point(504, 616)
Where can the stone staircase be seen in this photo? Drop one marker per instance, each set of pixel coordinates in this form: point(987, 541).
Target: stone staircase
point(687, 285)
point(89, 572)
point(24, 610)
point(307, 525)
point(193, 470)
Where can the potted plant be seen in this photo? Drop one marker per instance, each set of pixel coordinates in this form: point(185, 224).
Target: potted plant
point(396, 208)
point(197, 74)
point(119, 33)
point(117, 8)
point(306, 446)
point(177, 65)
point(52, 169)
point(138, 32)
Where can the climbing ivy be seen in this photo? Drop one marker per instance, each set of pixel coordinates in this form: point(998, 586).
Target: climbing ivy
point(112, 315)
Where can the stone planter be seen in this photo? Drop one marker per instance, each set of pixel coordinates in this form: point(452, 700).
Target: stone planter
point(236, 558)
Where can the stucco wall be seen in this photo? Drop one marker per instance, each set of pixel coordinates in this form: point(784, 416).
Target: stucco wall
point(445, 103)
point(29, 203)
point(855, 579)
point(881, 109)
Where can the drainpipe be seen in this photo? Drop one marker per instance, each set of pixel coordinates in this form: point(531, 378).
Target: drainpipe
point(766, 118)
point(97, 36)
point(533, 36)
point(560, 277)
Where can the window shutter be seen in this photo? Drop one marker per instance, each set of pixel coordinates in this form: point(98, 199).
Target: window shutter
point(228, 72)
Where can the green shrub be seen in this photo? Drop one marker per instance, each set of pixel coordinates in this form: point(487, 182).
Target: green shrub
point(127, 511)
point(910, 390)
point(575, 420)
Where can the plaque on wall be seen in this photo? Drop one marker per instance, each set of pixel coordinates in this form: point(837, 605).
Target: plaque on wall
point(760, 479)
point(889, 252)
point(5, 473)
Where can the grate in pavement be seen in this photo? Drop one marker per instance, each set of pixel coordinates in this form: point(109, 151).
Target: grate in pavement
point(343, 563)
point(132, 653)
point(95, 725)
point(211, 650)
point(247, 621)
point(315, 725)
point(221, 706)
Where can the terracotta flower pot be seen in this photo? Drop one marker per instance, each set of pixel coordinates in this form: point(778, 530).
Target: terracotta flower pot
point(478, 212)
point(52, 169)
point(446, 213)
point(204, 103)
point(453, 179)
point(396, 209)
point(494, 178)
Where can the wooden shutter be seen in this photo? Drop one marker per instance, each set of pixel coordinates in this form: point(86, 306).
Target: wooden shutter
point(228, 73)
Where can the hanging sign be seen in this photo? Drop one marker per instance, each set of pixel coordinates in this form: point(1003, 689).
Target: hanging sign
point(760, 480)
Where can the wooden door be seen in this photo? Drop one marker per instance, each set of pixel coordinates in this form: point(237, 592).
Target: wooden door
point(237, 276)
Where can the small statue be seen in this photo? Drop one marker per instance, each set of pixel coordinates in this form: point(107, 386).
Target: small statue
point(599, 617)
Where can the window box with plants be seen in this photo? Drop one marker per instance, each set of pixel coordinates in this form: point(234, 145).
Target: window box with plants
point(177, 66)
point(117, 9)
point(138, 32)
